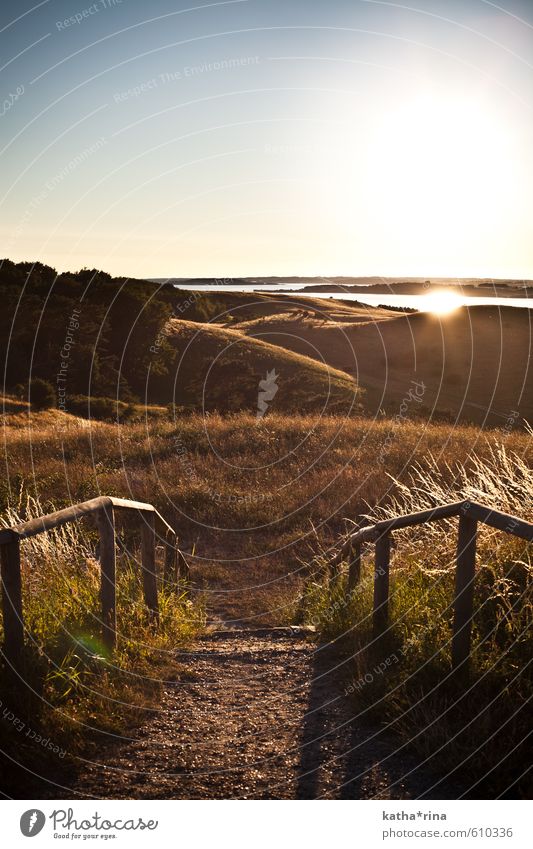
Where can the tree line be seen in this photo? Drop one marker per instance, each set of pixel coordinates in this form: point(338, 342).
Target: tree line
point(84, 334)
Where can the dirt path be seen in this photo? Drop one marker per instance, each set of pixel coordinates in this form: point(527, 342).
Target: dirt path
point(256, 714)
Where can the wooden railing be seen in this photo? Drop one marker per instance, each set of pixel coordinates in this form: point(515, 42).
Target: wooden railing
point(469, 513)
point(103, 509)
point(175, 569)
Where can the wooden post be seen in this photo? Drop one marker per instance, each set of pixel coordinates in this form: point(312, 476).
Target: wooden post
point(148, 563)
point(170, 575)
point(108, 592)
point(12, 601)
point(184, 573)
point(381, 584)
point(464, 590)
point(354, 571)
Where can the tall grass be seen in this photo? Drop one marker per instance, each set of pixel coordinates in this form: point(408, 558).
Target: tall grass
point(273, 480)
point(473, 728)
point(304, 475)
point(71, 684)
point(500, 479)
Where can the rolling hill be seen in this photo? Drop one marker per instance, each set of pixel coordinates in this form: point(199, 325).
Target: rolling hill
point(222, 369)
point(474, 364)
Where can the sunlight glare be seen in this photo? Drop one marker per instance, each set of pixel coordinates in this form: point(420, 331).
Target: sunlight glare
point(441, 303)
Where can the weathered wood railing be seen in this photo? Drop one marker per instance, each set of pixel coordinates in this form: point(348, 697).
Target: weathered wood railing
point(469, 513)
point(103, 509)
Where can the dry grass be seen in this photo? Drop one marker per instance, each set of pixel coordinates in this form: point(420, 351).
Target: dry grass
point(72, 686)
point(501, 479)
point(252, 502)
point(249, 497)
point(475, 728)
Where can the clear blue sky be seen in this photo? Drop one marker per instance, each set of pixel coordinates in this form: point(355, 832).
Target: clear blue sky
point(269, 137)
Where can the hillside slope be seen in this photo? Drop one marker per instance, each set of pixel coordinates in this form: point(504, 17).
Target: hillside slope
point(473, 365)
point(217, 368)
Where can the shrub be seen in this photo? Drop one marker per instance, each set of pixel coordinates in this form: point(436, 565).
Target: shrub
point(104, 409)
point(41, 394)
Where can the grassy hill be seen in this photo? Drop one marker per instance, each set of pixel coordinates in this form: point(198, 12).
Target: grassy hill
point(473, 364)
point(145, 343)
point(258, 503)
point(90, 335)
point(217, 368)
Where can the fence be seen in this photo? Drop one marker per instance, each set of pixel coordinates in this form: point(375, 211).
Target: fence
point(469, 513)
point(103, 509)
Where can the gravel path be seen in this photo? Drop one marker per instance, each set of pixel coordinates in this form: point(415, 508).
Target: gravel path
point(256, 715)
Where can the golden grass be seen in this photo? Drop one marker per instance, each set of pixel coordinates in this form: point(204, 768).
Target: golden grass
point(249, 496)
point(252, 502)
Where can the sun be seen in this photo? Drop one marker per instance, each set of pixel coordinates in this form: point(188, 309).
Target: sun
point(441, 303)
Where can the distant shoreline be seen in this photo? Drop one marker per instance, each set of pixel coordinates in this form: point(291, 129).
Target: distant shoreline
point(484, 287)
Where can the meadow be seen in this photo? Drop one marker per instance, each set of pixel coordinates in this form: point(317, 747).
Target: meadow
point(245, 495)
point(258, 504)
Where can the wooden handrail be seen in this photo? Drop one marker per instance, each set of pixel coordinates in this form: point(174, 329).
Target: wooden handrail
point(76, 511)
point(469, 513)
point(103, 508)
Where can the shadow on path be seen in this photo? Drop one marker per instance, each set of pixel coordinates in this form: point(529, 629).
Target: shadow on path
point(346, 756)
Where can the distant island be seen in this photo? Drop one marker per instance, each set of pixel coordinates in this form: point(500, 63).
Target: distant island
point(469, 286)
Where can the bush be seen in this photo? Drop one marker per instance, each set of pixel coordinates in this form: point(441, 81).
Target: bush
point(94, 408)
point(103, 408)
point(41, 394)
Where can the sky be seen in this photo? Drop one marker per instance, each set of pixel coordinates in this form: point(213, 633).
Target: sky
point(268, 137)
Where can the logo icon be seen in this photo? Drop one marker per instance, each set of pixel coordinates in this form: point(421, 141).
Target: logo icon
point(267, 391)
point(32, 822)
